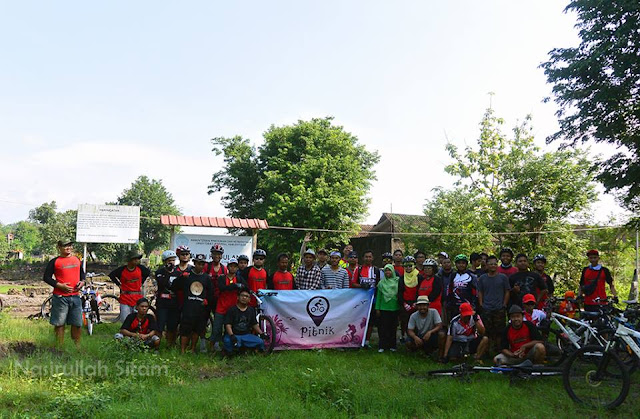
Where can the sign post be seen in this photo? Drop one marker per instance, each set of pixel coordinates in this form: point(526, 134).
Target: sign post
point(107, 224)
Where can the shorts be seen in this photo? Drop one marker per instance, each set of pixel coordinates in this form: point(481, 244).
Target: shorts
point(190, 325)
point(66, 310)
point(502, 359)
point(149, 342)
point(494, 322)
point(458, 349)
point(167, 317)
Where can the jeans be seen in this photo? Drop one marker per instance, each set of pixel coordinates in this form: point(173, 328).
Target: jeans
point(244, 341)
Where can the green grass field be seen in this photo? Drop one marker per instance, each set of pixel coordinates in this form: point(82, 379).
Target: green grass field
point(325, 383)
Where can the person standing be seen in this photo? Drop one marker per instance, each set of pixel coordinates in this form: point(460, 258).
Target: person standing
point(130, 278)
point(431, 285)
point(167, 310)
point(256, 275)
point(398, 257)
point(476, 261)
point(506, 257)
point(229, 285)
point(308, 275)
point(333, 276)
point(196, 286)
point(323, 256)
point(65, 274)
point(463, 288)
point(367, 276)
point(525, 282)
point(387, 309)
point(407, 294)
point(592, 283)
point(281, 279)
point(346, 251)
point(352, 266)
point(493, 298)
point(539, 263)
point(420, 257)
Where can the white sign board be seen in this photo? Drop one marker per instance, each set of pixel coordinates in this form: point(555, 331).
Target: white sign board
point(201, 244)
point(108, 224)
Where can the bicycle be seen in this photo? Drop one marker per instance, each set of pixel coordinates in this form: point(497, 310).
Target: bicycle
point(596, 376)
point(266, 323)
point(522, 371)
point(106, 307)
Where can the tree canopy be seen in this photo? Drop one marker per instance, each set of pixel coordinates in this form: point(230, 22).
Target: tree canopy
point(312, 174)
point(597, 88)
point(154, 200)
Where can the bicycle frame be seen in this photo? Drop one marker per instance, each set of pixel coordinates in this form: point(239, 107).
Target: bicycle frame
point(577, 341)
point(627, 335)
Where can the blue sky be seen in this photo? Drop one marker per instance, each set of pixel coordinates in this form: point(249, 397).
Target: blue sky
point(94, 94)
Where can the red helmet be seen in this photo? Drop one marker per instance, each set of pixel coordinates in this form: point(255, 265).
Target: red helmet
point(217, 248)
point(183, 249)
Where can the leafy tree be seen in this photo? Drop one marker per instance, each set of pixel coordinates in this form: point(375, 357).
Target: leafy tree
point(154, 200)
point(311, 174)
point(53, 225)
point(597, 85)
point(27, 237)
point(45, 213)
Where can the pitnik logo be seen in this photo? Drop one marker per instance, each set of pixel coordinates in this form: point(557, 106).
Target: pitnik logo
point(317, 308)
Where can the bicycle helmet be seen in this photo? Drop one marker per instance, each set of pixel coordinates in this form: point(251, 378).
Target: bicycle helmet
point(260, 252)
point(243, 257)
point(387, 255)
point(217, 248)
point(506, 250)
point(461, 257)
point(430, 262)
point(183, 249)
point(539, 257)
point(409, 259)
point(168, 254)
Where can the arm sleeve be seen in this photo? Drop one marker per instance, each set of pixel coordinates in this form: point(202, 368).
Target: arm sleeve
point(152, 322)
point(551, 287)
point(145, 272)
point(115, 275)
point(48, 273)
point(533, 331)
point(607, 276)
point(582, 276)
point(83, 274)
point(436, 290)
point(222, 286)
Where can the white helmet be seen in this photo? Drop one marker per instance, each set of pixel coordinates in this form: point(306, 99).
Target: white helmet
point(168, 254)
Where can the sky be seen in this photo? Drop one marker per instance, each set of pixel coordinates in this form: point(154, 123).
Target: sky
point(95, 94)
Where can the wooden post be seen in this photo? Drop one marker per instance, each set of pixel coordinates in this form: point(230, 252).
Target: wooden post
point(84, 259)
point(254, 233)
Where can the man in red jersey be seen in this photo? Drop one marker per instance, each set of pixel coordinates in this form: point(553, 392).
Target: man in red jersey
point(592, 282)
point(257, 275)
point(281, 279)
point(229, 284)
point(506, 268)
point(66, 306)
point(130, 278)
point(352, 266)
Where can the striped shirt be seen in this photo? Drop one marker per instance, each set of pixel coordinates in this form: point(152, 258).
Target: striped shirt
point(335, 279)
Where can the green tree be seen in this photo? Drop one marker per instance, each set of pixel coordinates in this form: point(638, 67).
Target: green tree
point(27, 237)
point(597, 85)
point(154, 200)
point(53, 225)
point(311, 174)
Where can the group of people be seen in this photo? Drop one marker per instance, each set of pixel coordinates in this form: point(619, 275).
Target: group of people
point(458, 306)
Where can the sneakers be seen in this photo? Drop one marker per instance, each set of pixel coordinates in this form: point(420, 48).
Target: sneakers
point(380, 350)
point(393, 349)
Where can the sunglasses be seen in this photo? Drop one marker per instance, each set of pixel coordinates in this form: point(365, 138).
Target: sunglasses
point(408, 264)
point(258, 258)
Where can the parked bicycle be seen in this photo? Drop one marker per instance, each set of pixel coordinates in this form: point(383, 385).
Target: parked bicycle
point(105, 308)
point(522, 371)
point(596, 376)
point(266, 323)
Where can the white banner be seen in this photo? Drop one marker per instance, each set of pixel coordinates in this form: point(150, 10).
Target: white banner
point(107, 224)
point(308, 319)
point(201, 244)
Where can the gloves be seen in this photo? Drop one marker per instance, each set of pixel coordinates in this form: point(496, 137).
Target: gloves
point(234, 340)
point(205, 302)
point(263, 336)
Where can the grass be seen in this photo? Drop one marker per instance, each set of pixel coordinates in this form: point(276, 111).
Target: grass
point(291, 384)
point(4, 289)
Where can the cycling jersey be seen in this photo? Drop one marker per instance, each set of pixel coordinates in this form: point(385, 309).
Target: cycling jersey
point(432, 288)
point(228, 292)
point(165, 296)
point(593, 282)
point(513, 339)
point(280, 281)
point(130, 282)
point(67, 270)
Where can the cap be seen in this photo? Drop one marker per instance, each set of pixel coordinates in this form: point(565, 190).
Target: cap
point(528, 298)
point(200, 258)
point(65, 242)
point(133, 254)
point(232, 260)
point(309, 252)
point(423, 299)
point(334, 253)
point(443, 254)
point(569, 294)
point(515, 309)
point(466, 309)
point(321, 250)
point(593, 252)
point(353, 254)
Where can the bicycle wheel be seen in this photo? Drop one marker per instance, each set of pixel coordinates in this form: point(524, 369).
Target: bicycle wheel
point(109, 308)
point(269, 328)
point(456, 371)
point(596, 378)
point(45, 309)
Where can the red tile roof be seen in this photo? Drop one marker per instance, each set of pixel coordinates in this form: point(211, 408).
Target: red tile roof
point(222, 222)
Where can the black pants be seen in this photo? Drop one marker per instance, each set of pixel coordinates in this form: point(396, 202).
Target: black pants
point(387, 326)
